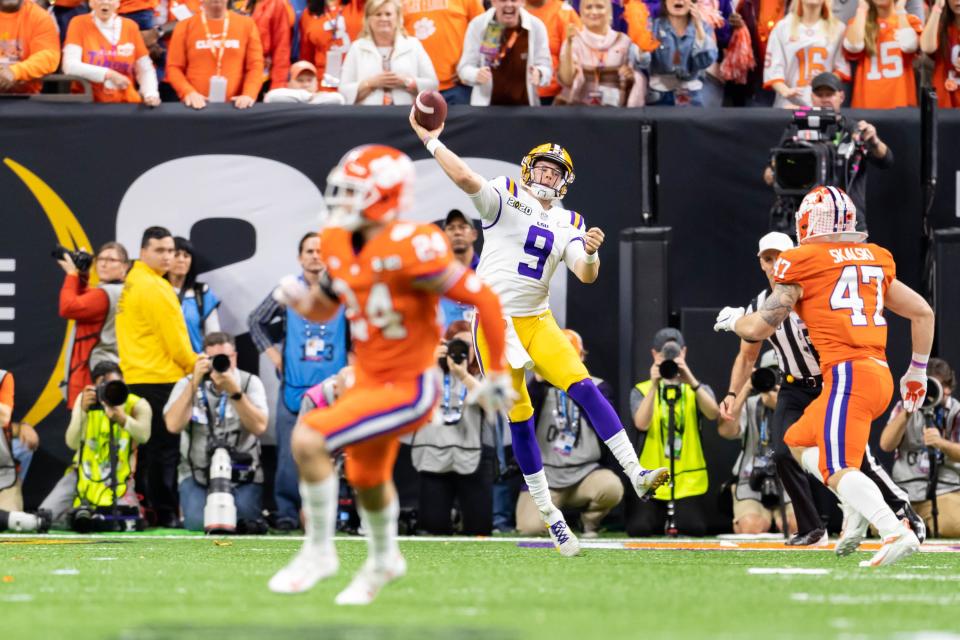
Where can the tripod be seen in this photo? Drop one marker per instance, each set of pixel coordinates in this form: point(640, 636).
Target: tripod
point(670, 393)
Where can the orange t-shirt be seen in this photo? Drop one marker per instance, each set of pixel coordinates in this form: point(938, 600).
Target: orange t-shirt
point(129, 6)
point(336, 29)
point(192, 61)
point(555, 15)
point(842, 304)
point(440, 26)
point(946, 69)
point(67, 4)
point(98, 51)
point(30, 44)
point(393, 324)
point(885, 79)
point(6, 392)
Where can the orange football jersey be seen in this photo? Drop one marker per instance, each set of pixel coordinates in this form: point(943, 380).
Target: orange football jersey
point(393, 324)
point(885, 80)
point(842, 303)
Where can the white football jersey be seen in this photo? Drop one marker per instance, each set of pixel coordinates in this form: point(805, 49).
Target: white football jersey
point(796, 60)
point(523, 244)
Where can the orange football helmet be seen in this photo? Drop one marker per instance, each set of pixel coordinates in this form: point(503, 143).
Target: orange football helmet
point(827, 214)
point(372, 183)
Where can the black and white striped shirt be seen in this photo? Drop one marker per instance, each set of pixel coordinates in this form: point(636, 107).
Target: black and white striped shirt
point(795, 352)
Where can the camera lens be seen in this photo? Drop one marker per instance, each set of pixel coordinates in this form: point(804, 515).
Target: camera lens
point(934, 393)
point(220, 363)
point(458, 350)
point(669, 369)
point(764, 379)
point(113, 393)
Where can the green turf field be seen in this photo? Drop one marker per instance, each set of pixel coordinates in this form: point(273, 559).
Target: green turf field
point(135, 588)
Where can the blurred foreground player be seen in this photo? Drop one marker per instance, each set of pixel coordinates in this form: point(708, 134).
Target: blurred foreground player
point(839, 287)
point(389, 274)
point(527, 234)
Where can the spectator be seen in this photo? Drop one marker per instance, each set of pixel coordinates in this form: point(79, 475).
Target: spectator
point(155, 353)
point(29, 46)
point(506, 56)
point(941, 41)
point(64, 11)
point(599, 66)
point(751, 423)
point(717, 14)
point(303, 87)
point(93, 310)
point(560, 19)
point(109, 51)
point(98, 432)
point(440, 27)
point(915, 437)
point(882, 39)
point(759, 17)
point(385, 65)
point(687, 48)
point(327, 29)
point(308, 353)
point(200, 305)
point(216, 56)
point(273, 20)
point(140, 11)
point(454, 453)
point(844, 10)
point(462, 234)
point(209, 407)
point(650, 404)
point(803, 45)
point(571, 456)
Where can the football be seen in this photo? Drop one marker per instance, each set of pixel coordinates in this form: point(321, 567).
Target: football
point(431, 110)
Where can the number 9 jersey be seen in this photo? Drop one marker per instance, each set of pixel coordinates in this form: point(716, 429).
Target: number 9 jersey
point(523, 245)
point(842, 303)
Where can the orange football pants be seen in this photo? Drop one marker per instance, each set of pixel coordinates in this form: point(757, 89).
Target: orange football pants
point(855, 393)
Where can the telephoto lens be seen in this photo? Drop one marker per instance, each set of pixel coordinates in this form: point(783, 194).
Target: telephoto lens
point(112, 393)
point(765, 379)
point(220, 363)
point(668, 368)
point(458, 350)
point(934, 395)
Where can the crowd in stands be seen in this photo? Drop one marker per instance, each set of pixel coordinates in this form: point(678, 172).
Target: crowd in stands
point(624, 53)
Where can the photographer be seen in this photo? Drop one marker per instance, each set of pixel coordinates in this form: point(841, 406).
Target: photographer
point(927, 446)
point(454, 453)
point(672, 400)
point(852, 148)
point(106, 423)
point(218, 406)
point(757, 494)
point(93, 309)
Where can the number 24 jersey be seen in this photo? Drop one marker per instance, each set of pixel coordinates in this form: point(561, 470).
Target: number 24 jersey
point(523, 245)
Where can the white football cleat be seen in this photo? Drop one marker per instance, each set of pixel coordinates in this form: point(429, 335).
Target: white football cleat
point(896, 547)
point(855, 528)
point(563, 539)
point(369, 580)
point(307, 568)
point(646, 481)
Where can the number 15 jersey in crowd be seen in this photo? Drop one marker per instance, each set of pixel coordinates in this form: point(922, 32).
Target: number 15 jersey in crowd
point(523, 245)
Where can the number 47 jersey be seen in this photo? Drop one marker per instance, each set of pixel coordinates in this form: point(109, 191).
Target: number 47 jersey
point(842, 303)
point(523, 244)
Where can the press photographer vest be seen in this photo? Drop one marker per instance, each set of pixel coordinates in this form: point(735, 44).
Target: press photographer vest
point(311, 353)
point(105, 349)
point(8, 466)
point(445, 446)
point(754, 420)
point(690, 467)
point(911, 466)
point(101, 441)
point(568, 444)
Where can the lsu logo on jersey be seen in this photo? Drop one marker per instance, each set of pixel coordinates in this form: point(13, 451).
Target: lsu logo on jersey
point(519, 206)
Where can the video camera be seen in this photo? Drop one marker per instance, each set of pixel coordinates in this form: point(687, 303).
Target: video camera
point(457, 350)
point(81, 259)
point(811, 157)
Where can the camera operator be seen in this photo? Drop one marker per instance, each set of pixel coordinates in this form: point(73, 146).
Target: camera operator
point(757, 494)
point(106, 423)
point(94, 336)
point(671, 400)
point(927, 446)
point(454, 453)
point(853, 148)
point(218, 406)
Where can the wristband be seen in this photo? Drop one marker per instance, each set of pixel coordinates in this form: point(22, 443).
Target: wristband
point(433, 144)
point(919, 360)
point(590, 258)
point(730, 393)
point(696, 386)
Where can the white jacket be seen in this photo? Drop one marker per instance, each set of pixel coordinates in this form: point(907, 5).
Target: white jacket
point(363, 61)
point(538, 55)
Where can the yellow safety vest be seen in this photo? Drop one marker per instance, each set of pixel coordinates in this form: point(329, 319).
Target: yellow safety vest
point(94, 484)
point(690, 467)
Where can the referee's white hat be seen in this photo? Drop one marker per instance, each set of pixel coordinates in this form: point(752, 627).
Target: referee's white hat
point(774, 240)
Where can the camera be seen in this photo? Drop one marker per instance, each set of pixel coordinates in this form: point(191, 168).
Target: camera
point(457, 350)
point(89, 519)
point(668, 367)
point(810, 158)
point(934, 397)
point(226, 467)
point(112, 393)
point(766, 379)
point(220, 363)
point(763, 479)
point(81, 259)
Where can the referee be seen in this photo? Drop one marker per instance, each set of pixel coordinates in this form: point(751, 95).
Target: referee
point(802, 382)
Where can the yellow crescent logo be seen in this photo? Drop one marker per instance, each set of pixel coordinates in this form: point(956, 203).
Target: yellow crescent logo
point(69, 233)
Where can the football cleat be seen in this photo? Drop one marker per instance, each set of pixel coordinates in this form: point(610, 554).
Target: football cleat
point(368, 582)
point(896, 547)
point(916, 522)
point(854, 530)
point(563, 539)
point(646, 481)
point(307, 568)
point(815, 538)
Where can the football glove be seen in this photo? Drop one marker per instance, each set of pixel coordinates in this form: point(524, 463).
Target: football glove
point(494, 393)
point(913, 388)
point(728, 317)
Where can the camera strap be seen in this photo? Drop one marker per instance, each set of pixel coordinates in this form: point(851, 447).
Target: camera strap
point(568, 416)
point(762, 418)
point(452, 414)
point(218, 420)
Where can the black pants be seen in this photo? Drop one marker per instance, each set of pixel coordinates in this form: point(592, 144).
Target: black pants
point(157, 459)
point(473, 492)
point(649, 518)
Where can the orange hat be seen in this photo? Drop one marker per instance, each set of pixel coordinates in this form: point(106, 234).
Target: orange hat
point(575, 340)
point(299, 67)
